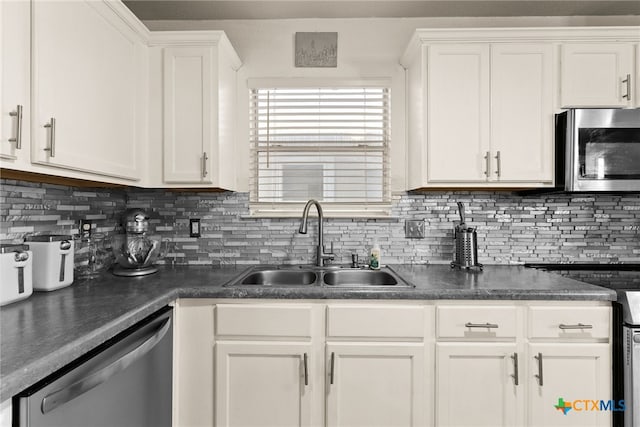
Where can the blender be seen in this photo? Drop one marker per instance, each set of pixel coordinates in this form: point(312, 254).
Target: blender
point(135, 252)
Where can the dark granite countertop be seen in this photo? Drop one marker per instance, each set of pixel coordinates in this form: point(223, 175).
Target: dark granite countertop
point(40, 335)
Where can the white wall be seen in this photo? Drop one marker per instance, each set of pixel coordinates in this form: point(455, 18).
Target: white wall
point(367, 48)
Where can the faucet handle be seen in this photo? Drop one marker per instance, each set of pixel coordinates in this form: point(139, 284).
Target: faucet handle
point(324, 249)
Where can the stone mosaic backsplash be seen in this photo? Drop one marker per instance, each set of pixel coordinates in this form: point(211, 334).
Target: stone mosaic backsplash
point(33, 208)
point(511, 228)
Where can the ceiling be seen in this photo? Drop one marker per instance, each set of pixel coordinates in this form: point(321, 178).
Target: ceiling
point(149, 10)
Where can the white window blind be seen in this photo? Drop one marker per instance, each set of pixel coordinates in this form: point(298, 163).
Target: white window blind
point(328, 144)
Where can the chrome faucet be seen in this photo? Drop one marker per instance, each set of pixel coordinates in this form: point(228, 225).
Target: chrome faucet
point(321, 256)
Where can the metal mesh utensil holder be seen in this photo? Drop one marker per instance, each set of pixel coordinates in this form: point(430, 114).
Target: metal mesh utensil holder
point(466, 249)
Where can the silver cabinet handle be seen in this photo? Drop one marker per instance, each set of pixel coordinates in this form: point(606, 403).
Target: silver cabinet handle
point(481, 325)
point(498, 167)
point(70, 392)
point(306, 369)
point(18, 115)
point(204, 164)
point(487, 161)
point(578, 326)
point(627, 95)
point(52, 137)
point(515, 376)
point(539, 376)
point(332, 366)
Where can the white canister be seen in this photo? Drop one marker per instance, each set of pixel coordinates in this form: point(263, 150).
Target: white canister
point(15, 272)
point(52, 261)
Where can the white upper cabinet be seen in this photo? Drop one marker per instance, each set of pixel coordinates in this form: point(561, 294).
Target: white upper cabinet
point(196, 77)
point(457, 112)
point(15, 40)
point(86, 62)
point(483, 110)
point(481, 102)
point(597, 75)
point(522, 114)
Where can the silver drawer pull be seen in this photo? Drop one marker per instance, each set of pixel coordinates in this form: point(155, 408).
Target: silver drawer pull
point(481, 325)
point(578, 326)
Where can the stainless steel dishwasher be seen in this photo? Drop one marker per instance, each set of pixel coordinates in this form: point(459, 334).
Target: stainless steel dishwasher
point(124, 382)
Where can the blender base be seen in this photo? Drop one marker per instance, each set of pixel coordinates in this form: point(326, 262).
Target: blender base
point(134, 272)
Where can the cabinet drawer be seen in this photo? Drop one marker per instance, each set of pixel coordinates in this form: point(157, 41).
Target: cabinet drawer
point(477, 322)
point(263, 320)
point(395, 321)
point(569, 322)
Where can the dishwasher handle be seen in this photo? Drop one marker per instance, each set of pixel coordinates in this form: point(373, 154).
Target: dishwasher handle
point(70, 392)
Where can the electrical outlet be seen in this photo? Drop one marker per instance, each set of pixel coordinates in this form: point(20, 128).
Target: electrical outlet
point(414, 229)
point(194, 227)
point(85, 227)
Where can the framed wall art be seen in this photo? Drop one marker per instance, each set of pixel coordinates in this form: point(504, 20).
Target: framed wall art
point(316, 50)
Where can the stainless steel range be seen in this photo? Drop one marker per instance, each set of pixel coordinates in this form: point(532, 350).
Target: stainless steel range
point(625, 280)
point(629, 300)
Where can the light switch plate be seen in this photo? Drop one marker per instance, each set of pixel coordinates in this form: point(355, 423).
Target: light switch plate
point(414, 229)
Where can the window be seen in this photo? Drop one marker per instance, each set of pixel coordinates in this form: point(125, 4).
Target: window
point(325, 143)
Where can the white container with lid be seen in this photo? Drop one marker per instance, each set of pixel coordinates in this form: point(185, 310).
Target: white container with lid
point(15, 273)
point(52, 261)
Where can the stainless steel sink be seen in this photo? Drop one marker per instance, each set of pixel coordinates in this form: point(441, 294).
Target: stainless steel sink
point(277, 276)
point(364, 278)
point(334, 276)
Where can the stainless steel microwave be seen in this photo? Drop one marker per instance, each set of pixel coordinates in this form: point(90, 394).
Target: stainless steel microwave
point(598, 150)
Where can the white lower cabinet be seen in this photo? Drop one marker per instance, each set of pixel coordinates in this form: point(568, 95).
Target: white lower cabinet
point(500, 364)
point(376, 384)
point(264, 383)
point(578, 375)
point(477, 385)
point(393, 363)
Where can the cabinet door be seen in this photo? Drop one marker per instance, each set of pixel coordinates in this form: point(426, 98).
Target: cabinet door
point(571, 374)
point(458, 113)
point(636, 79)
point(592, 74)
point(522, 112)
point(263, 384)
point(475, 385)
point(85, 71)
point(378, 384)
point(188, 115)
point(15, 48)
point(193, 343)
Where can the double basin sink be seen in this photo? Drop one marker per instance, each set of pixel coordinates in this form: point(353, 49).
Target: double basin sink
point(288, 276)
